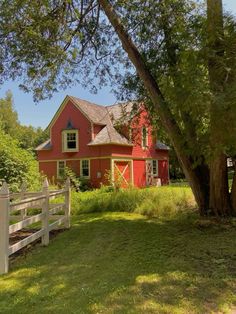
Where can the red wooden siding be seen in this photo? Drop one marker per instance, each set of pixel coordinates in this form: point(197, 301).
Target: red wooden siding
point(139, 170)
point(74, 165)
point(49, 169)
point(163, 172)
point(102, 166)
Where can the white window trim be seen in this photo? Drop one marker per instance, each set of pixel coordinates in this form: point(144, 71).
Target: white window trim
point(146, 128)
point(58, 161)
point(156, 175)
point(86, 177)
point(64, 141)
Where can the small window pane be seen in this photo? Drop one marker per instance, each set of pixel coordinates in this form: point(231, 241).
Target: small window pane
point(85, 168)
point(61, 168)
point(154, 167)
point(71, 144)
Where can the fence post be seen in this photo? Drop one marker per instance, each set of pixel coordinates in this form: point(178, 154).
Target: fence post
point(4, 228)
point(67, 203)
point(23, 189)
point(45, 211)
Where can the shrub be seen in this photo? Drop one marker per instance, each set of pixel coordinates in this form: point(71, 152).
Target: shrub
point(17, 165)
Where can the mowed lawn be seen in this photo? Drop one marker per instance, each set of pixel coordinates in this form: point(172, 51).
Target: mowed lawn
point(126, 263)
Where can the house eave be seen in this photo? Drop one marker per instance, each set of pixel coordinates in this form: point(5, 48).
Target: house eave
point(110, 143)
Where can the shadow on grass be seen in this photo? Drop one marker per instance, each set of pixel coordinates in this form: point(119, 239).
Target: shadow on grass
point(126, 263)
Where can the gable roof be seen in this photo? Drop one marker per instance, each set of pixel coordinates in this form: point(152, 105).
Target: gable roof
point(94, 113)
point(109, 135)
point(97, 114)
point(106, 116)
point(121, 111)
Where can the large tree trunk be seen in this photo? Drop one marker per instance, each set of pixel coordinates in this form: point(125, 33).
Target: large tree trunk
point(219, 187)
point(161, 106)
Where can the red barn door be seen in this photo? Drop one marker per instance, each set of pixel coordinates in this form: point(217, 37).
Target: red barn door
point(122, 173)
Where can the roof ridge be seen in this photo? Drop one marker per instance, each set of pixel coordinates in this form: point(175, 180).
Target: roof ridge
point(87, 101)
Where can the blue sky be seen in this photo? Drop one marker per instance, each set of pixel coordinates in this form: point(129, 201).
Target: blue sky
point(40, 114)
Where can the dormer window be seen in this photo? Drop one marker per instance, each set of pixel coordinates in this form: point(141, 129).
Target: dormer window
point(70, 141)
point(144, 137)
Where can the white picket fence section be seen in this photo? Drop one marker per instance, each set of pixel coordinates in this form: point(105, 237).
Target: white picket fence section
point(19, 204)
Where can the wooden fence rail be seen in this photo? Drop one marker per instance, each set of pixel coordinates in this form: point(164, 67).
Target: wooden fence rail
point(15, 207)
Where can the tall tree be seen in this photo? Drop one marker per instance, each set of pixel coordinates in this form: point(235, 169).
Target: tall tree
point(8, 116)
point(27, 136)
point(184, 59)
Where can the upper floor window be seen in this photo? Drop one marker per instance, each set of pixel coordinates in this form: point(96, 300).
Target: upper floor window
point(70, 141)
point(85, 168)
point(144, 137)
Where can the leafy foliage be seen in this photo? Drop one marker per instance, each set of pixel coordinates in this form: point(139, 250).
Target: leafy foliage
point(17, 165)
point(28, 137)
point(17, 162)
point(65, 41)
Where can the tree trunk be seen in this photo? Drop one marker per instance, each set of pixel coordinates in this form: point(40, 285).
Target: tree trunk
point(219, 187)
point(233, 191)
point(161, 106)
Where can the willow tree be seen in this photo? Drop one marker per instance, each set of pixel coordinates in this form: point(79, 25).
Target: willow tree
point(183, 58)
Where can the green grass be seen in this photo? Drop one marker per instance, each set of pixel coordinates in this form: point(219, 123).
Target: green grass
point(126, 263)
point(154, 202)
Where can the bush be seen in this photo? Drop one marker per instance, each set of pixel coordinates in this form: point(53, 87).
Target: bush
point(155, 202)
point(17, 165)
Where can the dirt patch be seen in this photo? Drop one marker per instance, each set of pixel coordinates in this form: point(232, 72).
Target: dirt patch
point(24, 233)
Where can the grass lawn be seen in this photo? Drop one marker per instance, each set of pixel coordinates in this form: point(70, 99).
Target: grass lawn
point(126, 263)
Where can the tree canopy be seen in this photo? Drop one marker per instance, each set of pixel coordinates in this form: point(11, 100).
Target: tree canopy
point(27, 136)
point(17, 160)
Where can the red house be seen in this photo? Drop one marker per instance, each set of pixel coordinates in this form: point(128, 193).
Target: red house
point(95, 140)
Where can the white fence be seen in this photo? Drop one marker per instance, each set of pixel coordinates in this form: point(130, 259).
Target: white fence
point(15, 207)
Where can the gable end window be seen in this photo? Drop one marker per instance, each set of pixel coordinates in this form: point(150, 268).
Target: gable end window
point(61, 164)
point(70, 141)
point(85, 168)
point(144, 137)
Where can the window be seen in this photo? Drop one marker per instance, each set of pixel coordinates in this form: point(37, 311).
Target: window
point(154, 167)
point(70, 140)
point(144, 137)
point(85, 168)
point(61, 169)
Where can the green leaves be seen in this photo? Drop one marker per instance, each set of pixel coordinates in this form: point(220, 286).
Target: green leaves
point(16, 164)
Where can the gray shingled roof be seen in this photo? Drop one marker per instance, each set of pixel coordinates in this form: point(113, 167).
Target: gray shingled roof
point(109, 135)
point(162, 146)
point(120, 111)
point(96, 113)
point(106, 116)
point(44, 146)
